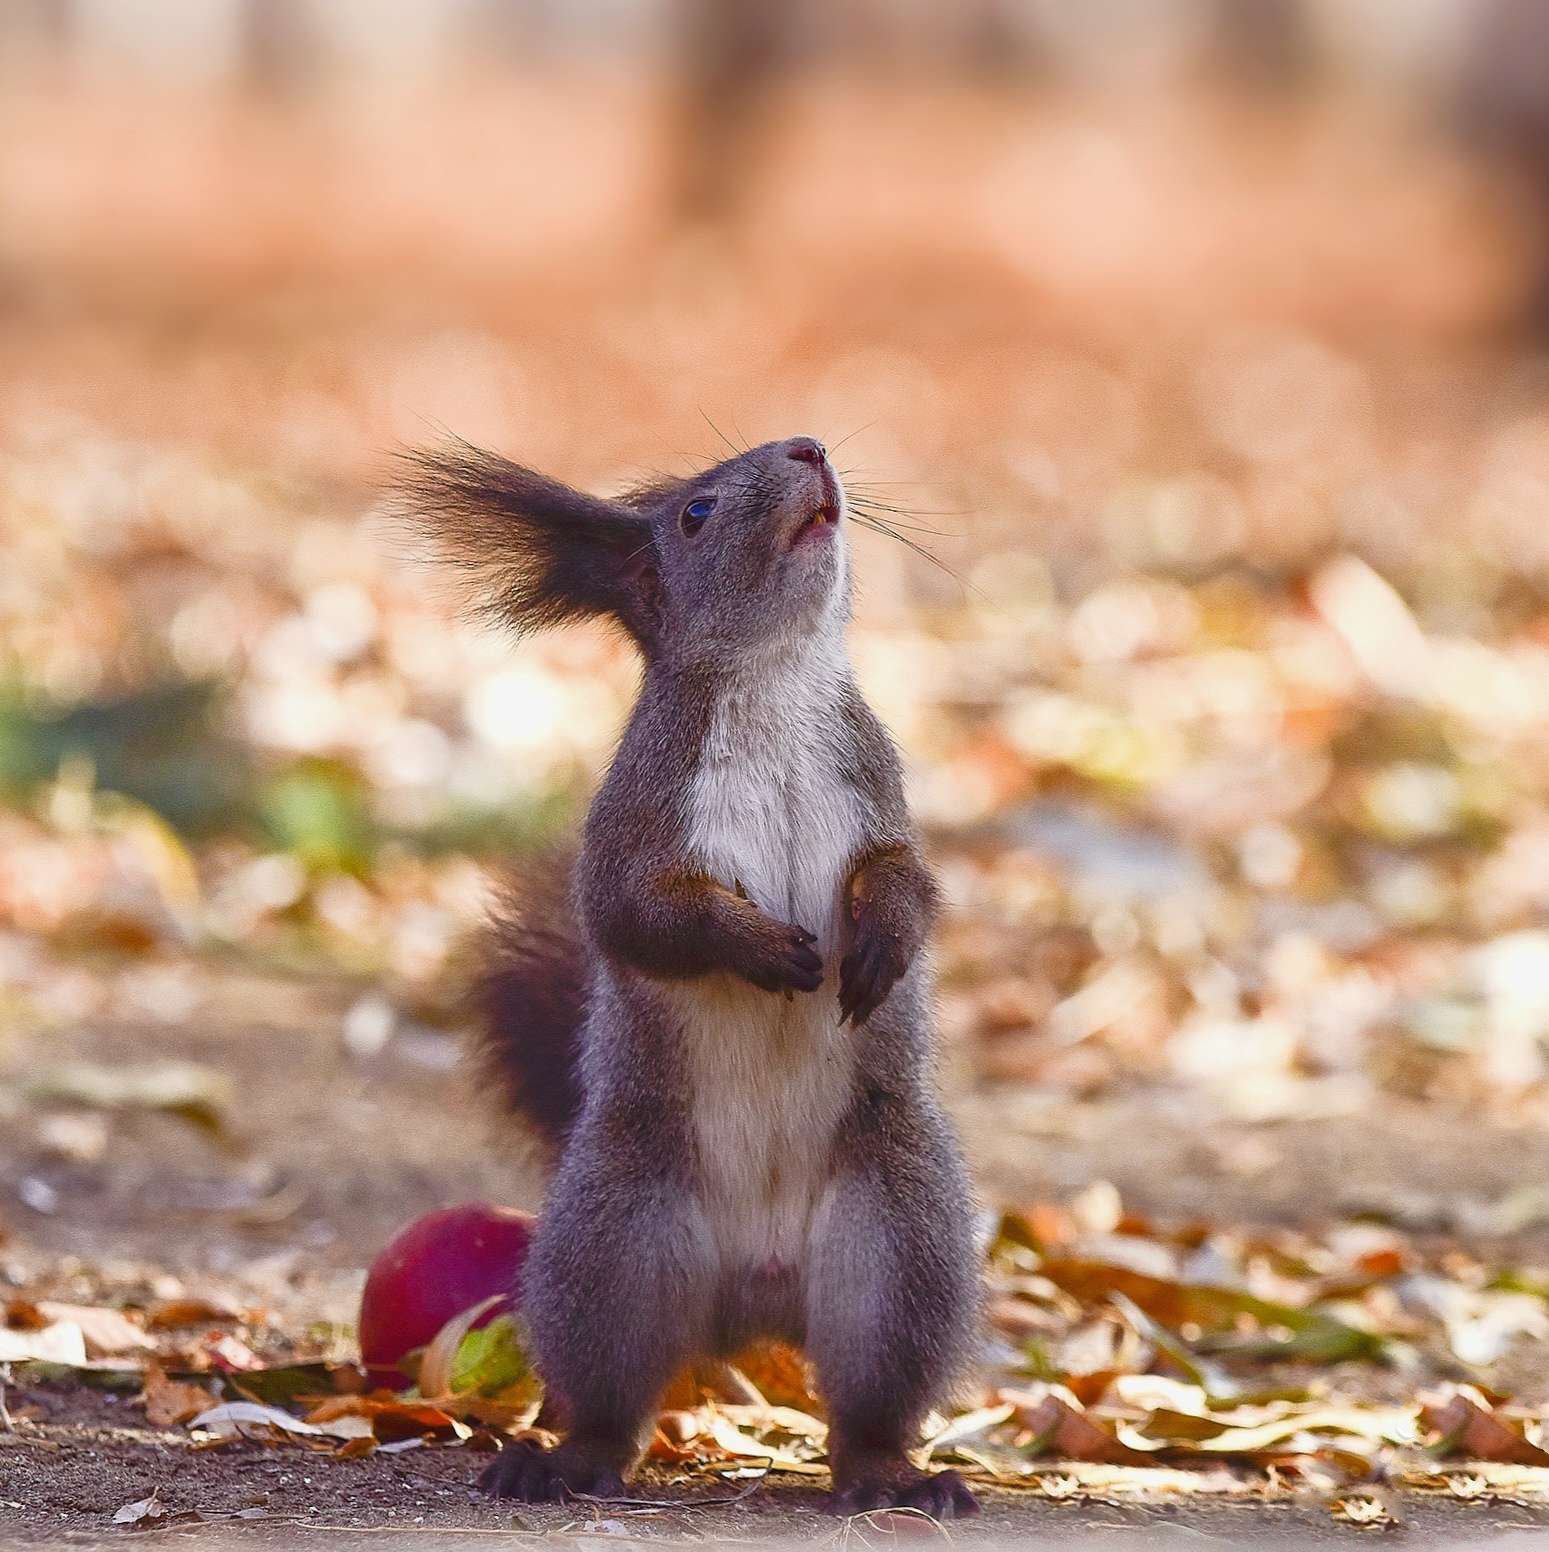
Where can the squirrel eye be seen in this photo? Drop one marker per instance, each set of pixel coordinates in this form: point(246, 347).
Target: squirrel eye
point(695, 513)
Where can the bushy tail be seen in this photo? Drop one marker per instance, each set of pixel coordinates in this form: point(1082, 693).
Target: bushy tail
point(529, 998)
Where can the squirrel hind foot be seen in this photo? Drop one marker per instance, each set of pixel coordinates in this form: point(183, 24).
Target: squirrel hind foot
point(894, 1484)
point(527, 1472)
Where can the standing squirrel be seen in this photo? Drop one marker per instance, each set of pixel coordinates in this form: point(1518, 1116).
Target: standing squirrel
point(722, 1026)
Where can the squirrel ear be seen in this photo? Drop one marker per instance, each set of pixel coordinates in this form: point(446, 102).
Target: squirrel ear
point(532, 552)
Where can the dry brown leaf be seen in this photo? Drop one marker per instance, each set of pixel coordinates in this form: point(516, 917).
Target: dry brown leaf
point(677, 1438)
point(24, 1315)
point(968, 1425)
point(170, 1402)
point(1368, 1507)
point(172, 1314)
point(1061, 1429)
point(390, 1418)
point(1097, 1479)
point(1481, 1479)
point(779, 1373)
point(250, 1419)
point(151, 1514)
point(108, 1333)
point(1469, 1427)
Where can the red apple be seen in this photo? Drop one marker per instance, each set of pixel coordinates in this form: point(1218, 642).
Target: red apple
point(439, 1266)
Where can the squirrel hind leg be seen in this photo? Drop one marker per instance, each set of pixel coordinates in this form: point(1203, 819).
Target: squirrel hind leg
point(618, 1297)
point(893, 1298)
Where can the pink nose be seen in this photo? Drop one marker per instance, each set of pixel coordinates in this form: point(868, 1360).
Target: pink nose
point(806, 450)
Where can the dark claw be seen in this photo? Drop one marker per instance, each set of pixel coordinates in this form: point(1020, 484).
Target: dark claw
point(531, 1474)
point(866, 975)
point(796, 966)
point(807, 960)
point(943, 1496)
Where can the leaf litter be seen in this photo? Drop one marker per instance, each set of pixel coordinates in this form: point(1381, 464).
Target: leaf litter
point(1235, 1364)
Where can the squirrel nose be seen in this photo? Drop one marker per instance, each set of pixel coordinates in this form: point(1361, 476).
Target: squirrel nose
point(807, 450)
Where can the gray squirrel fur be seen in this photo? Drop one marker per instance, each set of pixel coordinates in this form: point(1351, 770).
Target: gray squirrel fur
point(721, 1022)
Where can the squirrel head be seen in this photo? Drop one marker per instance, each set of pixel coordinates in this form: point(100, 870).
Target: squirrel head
point(744, 555)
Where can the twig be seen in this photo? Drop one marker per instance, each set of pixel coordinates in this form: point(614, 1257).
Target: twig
point(644, 1505)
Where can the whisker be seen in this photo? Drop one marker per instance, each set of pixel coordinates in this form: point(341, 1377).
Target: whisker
point(855, 433)
point(893, 506)
point(640, 550)
point(864, 506)
point(736, 451)
point(876, 525)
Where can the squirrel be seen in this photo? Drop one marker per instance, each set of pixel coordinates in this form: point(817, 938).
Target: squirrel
point(721, 1024)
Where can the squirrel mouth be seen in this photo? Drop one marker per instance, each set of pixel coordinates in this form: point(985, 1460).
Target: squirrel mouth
point(820, 522)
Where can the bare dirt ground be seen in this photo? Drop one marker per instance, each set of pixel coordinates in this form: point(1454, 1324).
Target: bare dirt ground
point(330, 1153)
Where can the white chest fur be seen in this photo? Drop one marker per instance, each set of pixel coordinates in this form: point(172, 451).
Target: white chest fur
point(772, 811)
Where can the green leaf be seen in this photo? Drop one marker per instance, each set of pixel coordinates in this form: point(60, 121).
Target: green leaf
point(490, 1359)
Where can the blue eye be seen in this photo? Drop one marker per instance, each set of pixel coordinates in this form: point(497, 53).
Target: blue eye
point(695, 513)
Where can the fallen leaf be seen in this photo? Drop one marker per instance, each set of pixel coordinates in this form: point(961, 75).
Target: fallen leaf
point(107, 1332)
point(779, 1373)
point(387, 1418)
point(1378, 1425)
point(1062, 1430)
point(200, 1095)
point(967, 1426)
point(1470, 1427)
point(231, 1354)
point(61, 1344)
point(282, 1384)
point(151, 1514)
point(242, 1419)
point(140, 1509)
point(1314, 1334)
point(170, 1402)
point(1481, 1478)
point(173, 1314)
point(439, 1359)
point(752, 1433)
point(1367, 1508)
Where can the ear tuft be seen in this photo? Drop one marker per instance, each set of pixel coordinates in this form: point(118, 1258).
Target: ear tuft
point(530, 551)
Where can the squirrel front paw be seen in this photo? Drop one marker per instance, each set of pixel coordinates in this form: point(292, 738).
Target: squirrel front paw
point(867, 973)
point(779, 957)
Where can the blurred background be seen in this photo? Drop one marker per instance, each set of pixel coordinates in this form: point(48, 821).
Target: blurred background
point(1202, 343)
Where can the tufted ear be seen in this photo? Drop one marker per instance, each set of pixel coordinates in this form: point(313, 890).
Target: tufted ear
point(531, 551)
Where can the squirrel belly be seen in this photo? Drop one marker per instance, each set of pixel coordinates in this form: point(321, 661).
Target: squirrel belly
point(773, 815)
